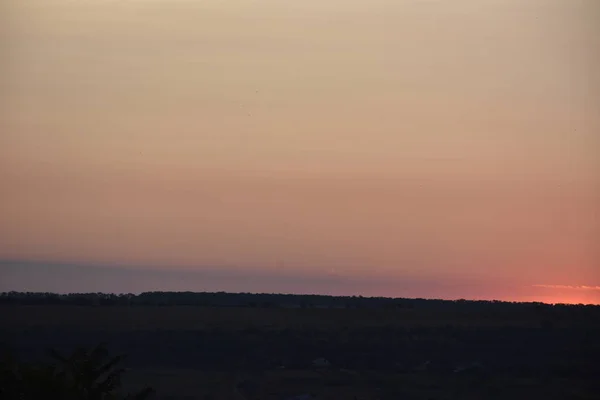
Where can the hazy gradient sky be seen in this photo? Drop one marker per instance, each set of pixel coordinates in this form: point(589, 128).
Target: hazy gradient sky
point(382, 147)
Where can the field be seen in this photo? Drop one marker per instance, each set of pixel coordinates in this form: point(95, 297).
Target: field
point(195, 352)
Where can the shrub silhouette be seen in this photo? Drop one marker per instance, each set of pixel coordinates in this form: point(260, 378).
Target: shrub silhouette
point(84, 375)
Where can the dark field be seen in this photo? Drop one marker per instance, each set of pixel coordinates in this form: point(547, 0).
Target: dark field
point(203, 352)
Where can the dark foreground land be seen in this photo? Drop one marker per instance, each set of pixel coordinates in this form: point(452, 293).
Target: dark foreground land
point(357, 349)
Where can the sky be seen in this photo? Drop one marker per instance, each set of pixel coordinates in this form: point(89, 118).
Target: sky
point(406, 148)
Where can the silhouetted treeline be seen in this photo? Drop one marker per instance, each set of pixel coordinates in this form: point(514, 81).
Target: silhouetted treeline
point(223, 299)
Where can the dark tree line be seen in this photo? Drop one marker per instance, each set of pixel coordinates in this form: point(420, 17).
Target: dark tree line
point(223, 299)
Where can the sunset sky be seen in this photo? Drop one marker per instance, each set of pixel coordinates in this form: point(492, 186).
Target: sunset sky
point(417, 148)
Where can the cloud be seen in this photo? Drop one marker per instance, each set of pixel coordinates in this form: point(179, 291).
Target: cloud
point(569, 287)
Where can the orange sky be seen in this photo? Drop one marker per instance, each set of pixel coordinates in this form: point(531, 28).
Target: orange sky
point(372, 141)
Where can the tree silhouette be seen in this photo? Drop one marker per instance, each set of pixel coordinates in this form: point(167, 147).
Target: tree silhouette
point(84, 375)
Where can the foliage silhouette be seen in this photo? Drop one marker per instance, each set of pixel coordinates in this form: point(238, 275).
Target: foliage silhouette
point(83, 375)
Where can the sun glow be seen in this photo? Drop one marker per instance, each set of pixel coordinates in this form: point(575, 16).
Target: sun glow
point(568, 294)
